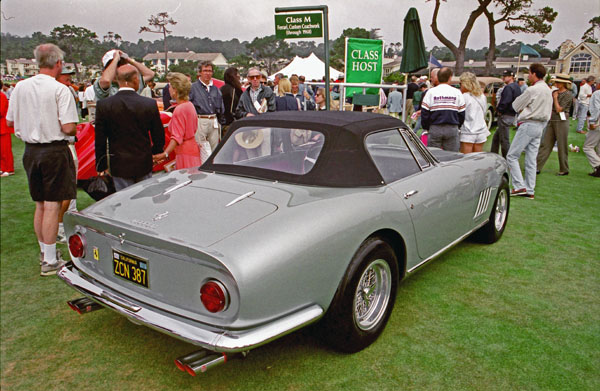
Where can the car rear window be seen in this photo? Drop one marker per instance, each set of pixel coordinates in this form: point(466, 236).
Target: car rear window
point(289, 150)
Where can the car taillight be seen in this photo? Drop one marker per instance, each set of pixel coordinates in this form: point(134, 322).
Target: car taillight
point(214, 296)
point(77, 246)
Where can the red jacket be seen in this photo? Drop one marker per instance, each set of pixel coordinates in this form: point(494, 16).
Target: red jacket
point(4, 129)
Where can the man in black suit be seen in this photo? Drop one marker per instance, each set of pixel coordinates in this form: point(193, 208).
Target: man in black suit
point(131, 124)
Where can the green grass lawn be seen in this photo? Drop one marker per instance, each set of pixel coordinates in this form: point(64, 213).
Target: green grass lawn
point(522, 314)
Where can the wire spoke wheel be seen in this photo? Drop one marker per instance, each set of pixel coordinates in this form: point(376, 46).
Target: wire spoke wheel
point(501, 210)
point(372, 294)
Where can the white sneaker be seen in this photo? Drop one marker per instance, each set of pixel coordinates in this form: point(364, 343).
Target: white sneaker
point(51, 269)
point(60, 236)
point(58, 256)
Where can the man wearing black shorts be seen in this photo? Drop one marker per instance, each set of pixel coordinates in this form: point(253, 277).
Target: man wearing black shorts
point(44, 114)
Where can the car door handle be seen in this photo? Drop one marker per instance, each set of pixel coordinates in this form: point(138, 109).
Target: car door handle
point(410, 194)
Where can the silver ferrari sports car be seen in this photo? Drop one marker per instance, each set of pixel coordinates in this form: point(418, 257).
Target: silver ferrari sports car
point(296, 218)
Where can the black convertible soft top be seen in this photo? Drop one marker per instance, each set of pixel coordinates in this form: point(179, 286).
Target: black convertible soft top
point(343, 161)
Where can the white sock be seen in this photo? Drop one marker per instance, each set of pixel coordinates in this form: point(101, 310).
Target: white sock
point(50, 253)
point(61, 227)
point(41, 246)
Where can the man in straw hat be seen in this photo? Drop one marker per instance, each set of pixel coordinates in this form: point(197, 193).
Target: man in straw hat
point(558, 127)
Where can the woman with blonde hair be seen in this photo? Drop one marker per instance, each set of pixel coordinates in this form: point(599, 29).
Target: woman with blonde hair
point(285, 101)
point(183, 126)
point(474, 131)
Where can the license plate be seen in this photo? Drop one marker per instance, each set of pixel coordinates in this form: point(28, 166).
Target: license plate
point(131, 268)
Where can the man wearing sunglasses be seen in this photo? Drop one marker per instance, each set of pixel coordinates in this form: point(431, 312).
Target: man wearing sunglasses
point(257, 99)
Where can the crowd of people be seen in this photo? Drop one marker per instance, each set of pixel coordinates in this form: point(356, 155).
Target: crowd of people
point(540, 112)
point(44, 110)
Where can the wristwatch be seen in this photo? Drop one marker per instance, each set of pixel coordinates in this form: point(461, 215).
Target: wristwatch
point(166, 154)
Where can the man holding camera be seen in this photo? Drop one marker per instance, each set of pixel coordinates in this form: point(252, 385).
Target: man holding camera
point(106, 85)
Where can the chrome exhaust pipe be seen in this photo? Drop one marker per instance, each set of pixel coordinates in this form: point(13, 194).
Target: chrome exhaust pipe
point(203, 364)
point(199, 361)
point(84, 305)
point(182, 361)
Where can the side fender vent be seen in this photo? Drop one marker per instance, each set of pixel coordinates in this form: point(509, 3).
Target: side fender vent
point(484, 202)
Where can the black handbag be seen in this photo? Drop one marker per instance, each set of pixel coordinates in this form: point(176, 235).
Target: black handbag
point(99, 187)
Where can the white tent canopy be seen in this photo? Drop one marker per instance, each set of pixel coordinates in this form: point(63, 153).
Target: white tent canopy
point(311, 67)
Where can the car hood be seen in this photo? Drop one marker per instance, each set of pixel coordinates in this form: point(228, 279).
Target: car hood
point(197, 208)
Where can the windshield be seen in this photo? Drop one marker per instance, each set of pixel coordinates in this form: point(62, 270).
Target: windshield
point(289, 150)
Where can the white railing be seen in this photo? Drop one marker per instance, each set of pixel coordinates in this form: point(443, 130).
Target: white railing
point(364, 86)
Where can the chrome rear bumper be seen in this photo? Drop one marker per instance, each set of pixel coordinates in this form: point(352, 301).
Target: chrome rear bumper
point(229, 341)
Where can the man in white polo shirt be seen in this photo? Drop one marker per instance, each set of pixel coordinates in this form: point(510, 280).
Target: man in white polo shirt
point(44, 115)
point(583, 100)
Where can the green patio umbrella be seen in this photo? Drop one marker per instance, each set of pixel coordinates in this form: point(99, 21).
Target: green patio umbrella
point(414, 56)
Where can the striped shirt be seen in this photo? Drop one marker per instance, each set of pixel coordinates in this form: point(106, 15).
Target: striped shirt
point(443, 105)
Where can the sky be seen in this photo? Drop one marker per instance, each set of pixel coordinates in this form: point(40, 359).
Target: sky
point(245, 20)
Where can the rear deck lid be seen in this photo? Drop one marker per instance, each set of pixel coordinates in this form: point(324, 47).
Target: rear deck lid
point(188, 213)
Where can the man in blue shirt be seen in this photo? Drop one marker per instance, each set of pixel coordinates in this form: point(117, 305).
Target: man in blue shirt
point(506, 113)
point(208, 101)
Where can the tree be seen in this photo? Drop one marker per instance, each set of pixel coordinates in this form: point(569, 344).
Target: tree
point(338, 49)
point(457, 51)
point(394, 77)
point(303, 48)
point(518, 18)
point(375, 33)
point(113, 38)
point(590, 34)
point(242, 62)
point(442, 53)
point(158, 24)
point(76, 42)
point(185, 67)
point(269, 49)
point(393, 49)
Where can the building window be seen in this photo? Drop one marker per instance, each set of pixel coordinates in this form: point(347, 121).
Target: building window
point(581, 63)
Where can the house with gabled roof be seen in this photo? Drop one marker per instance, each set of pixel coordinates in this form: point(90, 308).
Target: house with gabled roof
point(579, 61)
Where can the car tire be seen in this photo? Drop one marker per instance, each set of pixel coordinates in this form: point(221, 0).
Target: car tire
point(492, 231)
point(356, 316)
point(489, 118)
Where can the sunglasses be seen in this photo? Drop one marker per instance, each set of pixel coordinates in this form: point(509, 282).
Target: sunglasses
point(254, 77)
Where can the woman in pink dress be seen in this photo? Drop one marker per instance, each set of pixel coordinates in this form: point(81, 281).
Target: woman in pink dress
point(183, 126)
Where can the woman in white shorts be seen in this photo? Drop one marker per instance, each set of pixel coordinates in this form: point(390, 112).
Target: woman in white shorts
point(474, 131)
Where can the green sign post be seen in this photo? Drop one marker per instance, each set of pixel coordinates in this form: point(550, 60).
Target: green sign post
point(364, 63)
point(298, 26)
point(324, 33)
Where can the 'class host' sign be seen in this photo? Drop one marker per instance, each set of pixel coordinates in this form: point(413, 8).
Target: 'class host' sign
point(299, 25)
point(364, 63)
